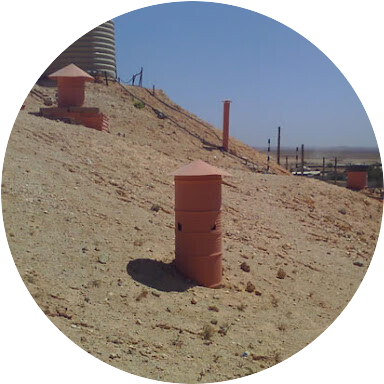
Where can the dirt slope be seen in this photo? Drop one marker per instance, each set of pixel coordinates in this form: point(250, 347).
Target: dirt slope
point(89, 219)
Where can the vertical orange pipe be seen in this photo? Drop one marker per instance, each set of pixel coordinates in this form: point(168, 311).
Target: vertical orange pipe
point(226, 125)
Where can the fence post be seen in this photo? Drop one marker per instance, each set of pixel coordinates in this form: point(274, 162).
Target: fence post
point(141, 77)
point(278, 145)
point(335, 170)
point(269, 150)
point(302, 159)
point(297, 159)
point(323, 173)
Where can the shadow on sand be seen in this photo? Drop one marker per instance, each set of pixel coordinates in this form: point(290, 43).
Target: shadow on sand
point(158, 275)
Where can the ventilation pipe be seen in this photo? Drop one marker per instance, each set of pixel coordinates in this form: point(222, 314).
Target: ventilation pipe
point(226, 124)
point(70, 85)
point(198, 244)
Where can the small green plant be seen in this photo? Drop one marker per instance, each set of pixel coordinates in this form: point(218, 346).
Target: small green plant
point(138, 104)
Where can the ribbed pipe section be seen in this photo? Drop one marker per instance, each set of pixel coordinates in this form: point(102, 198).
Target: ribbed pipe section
point(198, 245)
point(93, 53)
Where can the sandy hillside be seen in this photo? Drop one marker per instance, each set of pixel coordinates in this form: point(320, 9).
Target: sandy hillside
point(89, 219)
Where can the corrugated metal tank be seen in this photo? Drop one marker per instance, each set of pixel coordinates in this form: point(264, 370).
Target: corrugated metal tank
point(93, 53)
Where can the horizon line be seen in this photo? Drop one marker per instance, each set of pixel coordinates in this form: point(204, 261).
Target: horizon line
point(337, 147)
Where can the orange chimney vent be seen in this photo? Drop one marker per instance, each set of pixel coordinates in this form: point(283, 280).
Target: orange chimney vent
point(71, 85)
point(226, 106)
point(198, 226)
point(71, 95)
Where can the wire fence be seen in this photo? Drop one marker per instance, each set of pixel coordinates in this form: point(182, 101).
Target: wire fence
point(132, 80)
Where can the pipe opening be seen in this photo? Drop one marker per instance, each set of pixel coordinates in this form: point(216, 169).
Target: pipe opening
point(213, 228)
point(179, 227)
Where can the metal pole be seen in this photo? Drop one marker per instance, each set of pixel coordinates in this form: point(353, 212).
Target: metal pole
point(302, 159)
point(286, 163)
point(278, 144)
point(297, 158)
point(269, 150)
point(141, 77)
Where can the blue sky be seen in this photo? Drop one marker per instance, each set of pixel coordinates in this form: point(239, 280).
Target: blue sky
point(202, 53)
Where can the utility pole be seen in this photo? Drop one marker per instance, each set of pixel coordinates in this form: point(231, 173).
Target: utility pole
point(297, 159)
point(302, 159)
point(269, 150)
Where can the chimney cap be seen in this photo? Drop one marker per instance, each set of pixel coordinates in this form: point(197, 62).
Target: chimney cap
point(71, 71)
point(199, 168)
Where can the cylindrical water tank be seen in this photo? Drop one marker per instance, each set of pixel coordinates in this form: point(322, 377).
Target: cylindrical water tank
point(93, 53)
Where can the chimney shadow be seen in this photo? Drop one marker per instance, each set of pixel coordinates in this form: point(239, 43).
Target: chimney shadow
point(158, 275)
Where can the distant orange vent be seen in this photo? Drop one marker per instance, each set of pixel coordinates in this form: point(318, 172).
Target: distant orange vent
point(357, 177)
point(71, 85)
point(198, 225)
point(226, 106)
point(71, 95)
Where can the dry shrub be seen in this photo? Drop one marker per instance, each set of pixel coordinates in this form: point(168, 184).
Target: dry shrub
point(281, 274)
point(207, 332)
